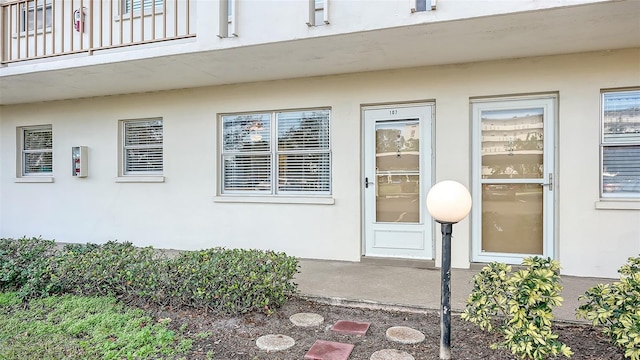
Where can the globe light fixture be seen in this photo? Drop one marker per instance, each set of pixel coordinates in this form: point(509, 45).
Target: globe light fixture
point(448, 202)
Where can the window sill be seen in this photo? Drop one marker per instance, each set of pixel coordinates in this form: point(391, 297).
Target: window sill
point(140, 179)
point(34, 179)
point(31, 32)
point(275, 200)
point(137, 13)
point(618, 205)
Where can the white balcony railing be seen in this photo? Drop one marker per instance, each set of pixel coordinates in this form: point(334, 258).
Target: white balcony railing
point(35, 29)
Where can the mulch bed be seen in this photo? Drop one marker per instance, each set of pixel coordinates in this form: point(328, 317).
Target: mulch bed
point(235, 337)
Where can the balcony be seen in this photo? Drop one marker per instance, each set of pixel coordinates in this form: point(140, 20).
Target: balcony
point(36, 29)
point(171, 44)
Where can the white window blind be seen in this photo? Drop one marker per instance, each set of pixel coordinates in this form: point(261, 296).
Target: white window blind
point(303, 151)
point(136, 5)
point(297, 161)
point(246, 153)
point(37, 151)
point(621, 144)
point(142, 147)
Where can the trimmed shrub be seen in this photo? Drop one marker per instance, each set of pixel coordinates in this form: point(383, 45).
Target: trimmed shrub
point(231, 280)
point(616, 308)
point(523, 301)
point(221, 280)
point(106, 270)
point(24, 261)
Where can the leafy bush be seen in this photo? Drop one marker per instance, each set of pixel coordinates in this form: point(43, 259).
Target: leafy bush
point(617, 308)
point(523, 300)
point(232, 280)
point(222, 280)
point(22, 261)
point(107, 269)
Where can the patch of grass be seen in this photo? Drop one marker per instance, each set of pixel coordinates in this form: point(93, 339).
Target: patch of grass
point(63, 327)
point(9, 299)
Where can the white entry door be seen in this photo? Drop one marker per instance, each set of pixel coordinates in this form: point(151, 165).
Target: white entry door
point(397, 176)
point(513, 178)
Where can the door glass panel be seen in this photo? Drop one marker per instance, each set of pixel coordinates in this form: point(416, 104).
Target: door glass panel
point(398, 198)
point(512, 144)
point(397, 171)
point(512, 218)
point(512, 148)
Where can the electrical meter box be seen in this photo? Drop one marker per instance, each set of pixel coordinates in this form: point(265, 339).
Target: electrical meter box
point(79, 161)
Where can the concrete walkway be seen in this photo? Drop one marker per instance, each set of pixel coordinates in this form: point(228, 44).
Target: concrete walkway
point(371, 285)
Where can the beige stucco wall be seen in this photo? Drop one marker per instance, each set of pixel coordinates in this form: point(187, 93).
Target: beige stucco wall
point(181, 213)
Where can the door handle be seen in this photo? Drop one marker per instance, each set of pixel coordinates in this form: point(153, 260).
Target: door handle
point(549, 183)
point(367, 183)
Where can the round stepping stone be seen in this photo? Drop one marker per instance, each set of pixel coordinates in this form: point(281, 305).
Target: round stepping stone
point(404, 335)
point(306, 319)
point(391, 354)
point(274, 342)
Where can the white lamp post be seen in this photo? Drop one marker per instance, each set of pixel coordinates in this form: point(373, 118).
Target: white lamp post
point(448, 202)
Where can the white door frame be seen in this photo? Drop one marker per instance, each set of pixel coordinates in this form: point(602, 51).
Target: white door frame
point(377, 237)
point(549, 182)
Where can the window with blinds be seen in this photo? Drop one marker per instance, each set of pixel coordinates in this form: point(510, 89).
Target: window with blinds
point(37, 151)
point(276, 153)
point(36, 15)
point(620, 145)
point(142, 147)
point(136, 5)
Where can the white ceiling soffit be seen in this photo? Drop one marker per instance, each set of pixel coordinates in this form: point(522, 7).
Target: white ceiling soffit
point(600, 26)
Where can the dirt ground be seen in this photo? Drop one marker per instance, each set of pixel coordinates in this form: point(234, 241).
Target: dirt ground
point(227, 338)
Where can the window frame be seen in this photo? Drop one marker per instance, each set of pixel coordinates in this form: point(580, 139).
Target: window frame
point(228, 18)
point(125, 175)
point(129, 8)
point(34, 8)
point(318, 13)
point(21, 169)
point(605, 143)
point(419, 6)
point(274, 190)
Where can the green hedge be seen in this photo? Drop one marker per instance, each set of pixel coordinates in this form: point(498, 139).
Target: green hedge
point(222, 280)
point(23, 263)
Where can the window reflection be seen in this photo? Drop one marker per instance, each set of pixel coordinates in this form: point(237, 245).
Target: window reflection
point(512, 218)
point(397, 170)
point(512, 144)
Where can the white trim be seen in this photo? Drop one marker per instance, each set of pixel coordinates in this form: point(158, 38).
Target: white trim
point(139, 179)
point(122, 173)
point(429, 6)
point(273, 117)
point(424, 113)
point(549, 102)
point(34, 179)
point(313, 10)
point(275, 200)
point(613, 143)
point(325, 10)
point(617, 205)
point(20, 153)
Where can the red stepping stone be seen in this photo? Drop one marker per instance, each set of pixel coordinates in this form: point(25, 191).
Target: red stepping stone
point(329, 350)
point(351, 327)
